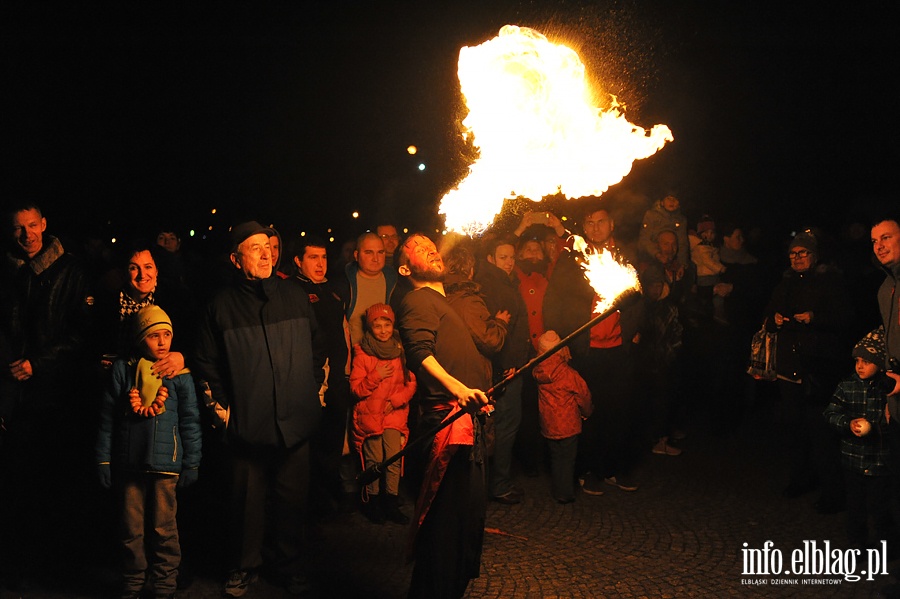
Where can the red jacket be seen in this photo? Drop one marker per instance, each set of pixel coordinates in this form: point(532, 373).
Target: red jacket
point(533, 287)
point(563, 397)
point(374, 395)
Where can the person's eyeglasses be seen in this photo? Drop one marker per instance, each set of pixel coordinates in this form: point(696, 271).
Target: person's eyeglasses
point(800, 254)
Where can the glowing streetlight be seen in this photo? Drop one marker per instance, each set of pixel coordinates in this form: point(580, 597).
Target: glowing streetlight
point(411, 150)
point(355, 214)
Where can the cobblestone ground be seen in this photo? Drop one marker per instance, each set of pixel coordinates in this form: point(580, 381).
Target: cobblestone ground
point(680, 535)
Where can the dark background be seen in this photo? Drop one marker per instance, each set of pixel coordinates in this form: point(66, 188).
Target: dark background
point(117, 118)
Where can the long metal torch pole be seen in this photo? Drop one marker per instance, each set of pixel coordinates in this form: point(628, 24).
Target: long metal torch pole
point(375, 471)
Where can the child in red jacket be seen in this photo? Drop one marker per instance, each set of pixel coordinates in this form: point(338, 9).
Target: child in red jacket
point(563, 402)
point(382, 386)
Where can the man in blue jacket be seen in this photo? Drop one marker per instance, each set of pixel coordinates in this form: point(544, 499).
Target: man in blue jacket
point(260, 350)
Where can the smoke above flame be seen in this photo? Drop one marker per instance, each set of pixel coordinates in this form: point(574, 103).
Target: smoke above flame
point(532, 118)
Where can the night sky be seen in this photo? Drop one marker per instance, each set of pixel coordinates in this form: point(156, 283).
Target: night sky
point(130, 116)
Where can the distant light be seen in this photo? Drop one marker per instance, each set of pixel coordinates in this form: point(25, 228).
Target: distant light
point(329, 230)
point(302, 233)
point(213, 211)
point(191, 233)
point(331, 239)
point(564, 218)
point(412, 150)
point(113, 240)
point(422, 166)
point(210, 228)
point(405, 230)
point(204, 237)
point(444, 232)
point(355, 215)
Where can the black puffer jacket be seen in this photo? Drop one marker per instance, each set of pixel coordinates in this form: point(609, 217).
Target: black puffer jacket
point(260, 349)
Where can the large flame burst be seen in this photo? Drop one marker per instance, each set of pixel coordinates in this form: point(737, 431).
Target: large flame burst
point(608, 277)
point(533, 119)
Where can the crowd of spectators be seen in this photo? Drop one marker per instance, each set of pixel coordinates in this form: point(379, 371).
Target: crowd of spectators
point(302, 379)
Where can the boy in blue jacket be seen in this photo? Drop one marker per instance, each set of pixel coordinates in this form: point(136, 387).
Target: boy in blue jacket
point(149, 443)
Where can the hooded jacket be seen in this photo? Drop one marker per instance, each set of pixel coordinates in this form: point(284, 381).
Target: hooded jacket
point(374, 394)
point(658, 219)
point(564, 399)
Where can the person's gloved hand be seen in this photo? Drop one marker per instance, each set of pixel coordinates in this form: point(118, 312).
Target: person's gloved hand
point(104, 475)
point(187, 478)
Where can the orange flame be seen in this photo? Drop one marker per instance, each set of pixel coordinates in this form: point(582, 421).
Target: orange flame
point(538, 133)
point(609, 277)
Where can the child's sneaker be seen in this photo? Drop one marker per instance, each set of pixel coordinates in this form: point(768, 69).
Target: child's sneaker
point(238, 582)
point(622, 483)
point(590, 484)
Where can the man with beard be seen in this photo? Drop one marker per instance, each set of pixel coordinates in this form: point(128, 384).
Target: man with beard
point(535, 262)
point(541, 238)
point(448, 527)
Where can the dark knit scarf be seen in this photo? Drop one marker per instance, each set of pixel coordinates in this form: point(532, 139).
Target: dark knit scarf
point(128, 306)
point(385, 350)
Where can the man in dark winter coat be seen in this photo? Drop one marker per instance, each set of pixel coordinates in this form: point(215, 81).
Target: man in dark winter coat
point(259, 349)
point(333, 473)
point(603, 357)
point(45, 310)
point(886, 245)
point(500, 287)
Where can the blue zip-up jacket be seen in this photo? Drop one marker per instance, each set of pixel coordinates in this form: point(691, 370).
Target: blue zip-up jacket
point(168, 443)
